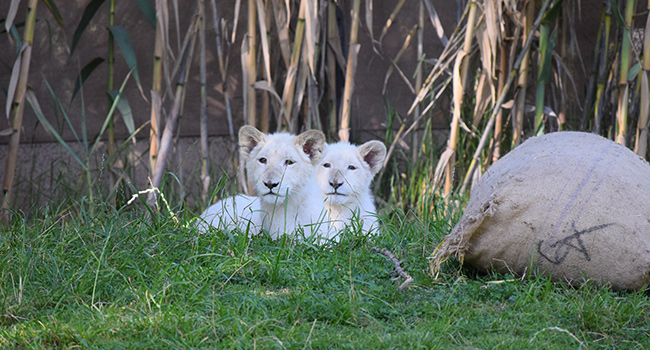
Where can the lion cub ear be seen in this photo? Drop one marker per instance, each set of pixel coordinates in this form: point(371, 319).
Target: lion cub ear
point(249, 138)
point(373, 153)
point(312, 143)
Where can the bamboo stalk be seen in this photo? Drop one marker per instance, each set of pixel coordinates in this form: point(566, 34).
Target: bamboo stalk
point(520, 107)
point(288, 94)
point(156, 88)
point(623, 85)
point(499, 104)
point(223, 70)
point(332, 35)
point(18, 108)
point(641, 146)
point(564, 25)
point(111, 77)
point(350, 70)
point(542, 78)
point(418, 80)
point(177, 110)
point(251, 67)
point(460, 79)
point(602, 70)
point(205, 158)
point(111, 85)
point(498, 124)
point(591, 85)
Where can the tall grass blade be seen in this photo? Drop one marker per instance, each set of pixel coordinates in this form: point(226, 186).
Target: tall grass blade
point(108, 118)
point(148, 11)
point(86, 17)
point(124, 108)
point(124, 42)
point(85, 73)
point(435, 21)
point(54, 10)
point(33, 102)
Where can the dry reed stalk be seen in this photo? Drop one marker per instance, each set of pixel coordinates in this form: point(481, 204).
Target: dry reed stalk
point(166, 140)
point(250, 66)
point(16, 107)
point(288, 94)
point(641, 146)
point(591, 85)
point(333, 44)
point(498, 124)
point(391, 19)
point(156, 88)
point(460, 79)
point(623, 85)
point(520, 105)
point(497, 107)
point(205, 158)
point(418, 80)
point(350, 70)
point(601, 80)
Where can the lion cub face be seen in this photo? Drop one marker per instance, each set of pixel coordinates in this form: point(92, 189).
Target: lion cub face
point(345, 172)
point(280, 165)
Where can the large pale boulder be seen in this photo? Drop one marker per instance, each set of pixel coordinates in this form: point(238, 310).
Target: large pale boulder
point(571, 205)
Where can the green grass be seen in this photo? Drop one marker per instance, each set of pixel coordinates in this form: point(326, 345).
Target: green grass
point(118, 279)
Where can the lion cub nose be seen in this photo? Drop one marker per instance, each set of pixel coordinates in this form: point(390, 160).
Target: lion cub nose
point(271, 185)
point(336, 185)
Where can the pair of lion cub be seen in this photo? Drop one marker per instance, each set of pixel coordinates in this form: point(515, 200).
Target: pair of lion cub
point(301, 182)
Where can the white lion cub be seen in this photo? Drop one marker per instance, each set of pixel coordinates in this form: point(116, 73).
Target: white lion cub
point(344, 175)
point(280, 168)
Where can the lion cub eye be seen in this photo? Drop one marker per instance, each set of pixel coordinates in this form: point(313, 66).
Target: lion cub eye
point(289, 162)
point(262, 160)
point(327, 165)
point(352, 167)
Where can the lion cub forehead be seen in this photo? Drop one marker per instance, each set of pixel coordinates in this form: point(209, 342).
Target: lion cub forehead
point(342, 152)
point(279, 144)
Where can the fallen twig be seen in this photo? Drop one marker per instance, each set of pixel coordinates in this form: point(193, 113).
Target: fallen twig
point(398, 268)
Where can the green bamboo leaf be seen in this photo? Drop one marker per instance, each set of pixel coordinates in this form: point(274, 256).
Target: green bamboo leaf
point(13, 81)
point(125, 109)
point(546, 49)
point(124, 42)
point(148, 11)
point(552, 14)
point(54, 11)
point(617, 13)
point(634, 71)
point(108, 115)
point(63, 112)
point(86, 71)
point(89, 13)
point(11, 14)
point(30, 96)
